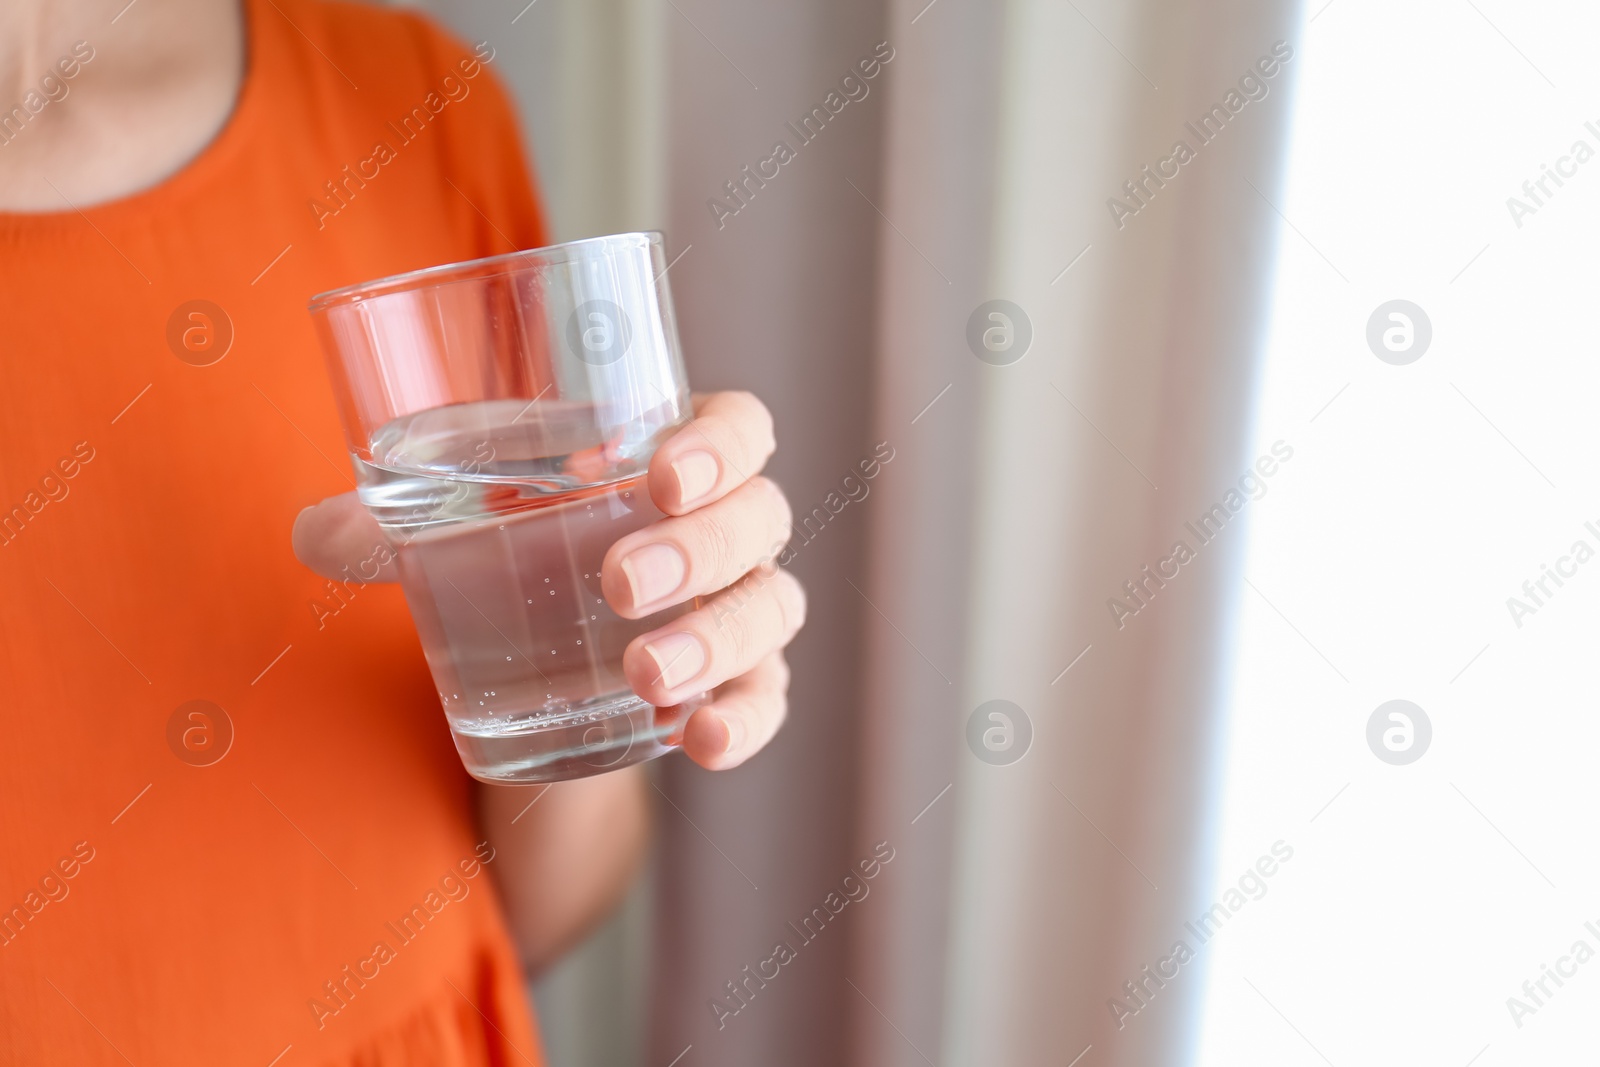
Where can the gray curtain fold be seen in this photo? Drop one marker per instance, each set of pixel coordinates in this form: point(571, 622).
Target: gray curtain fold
point(936, 232)
point(778, 298)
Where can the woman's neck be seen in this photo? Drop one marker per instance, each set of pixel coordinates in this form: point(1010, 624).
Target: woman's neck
point(102, 98)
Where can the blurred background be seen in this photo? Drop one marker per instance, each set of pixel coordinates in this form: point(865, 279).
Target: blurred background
point(1202, 458)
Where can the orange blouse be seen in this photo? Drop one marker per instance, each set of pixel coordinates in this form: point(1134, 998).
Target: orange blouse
point(233, 828)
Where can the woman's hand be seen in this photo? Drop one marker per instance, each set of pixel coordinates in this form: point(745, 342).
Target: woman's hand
point(725, 525)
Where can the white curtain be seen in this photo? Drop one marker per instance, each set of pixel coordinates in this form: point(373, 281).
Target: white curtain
point(1077, 866)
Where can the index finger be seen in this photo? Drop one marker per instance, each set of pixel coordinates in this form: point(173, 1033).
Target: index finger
point(726, 444)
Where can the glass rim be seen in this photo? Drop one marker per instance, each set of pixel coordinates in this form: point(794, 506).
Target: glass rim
point(487, 266)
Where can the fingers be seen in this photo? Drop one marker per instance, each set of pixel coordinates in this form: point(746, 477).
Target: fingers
point(742, 717)
point(691, 555)
point(723, 522)
point(338, 538)
point(722, 639)
point(726, 445)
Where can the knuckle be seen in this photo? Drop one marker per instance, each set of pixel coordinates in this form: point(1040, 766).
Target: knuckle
point(754, 427)
point(782, 513)
point(755, 616)
point(790, 597)
point(735, 638)
point(776, 711)
point(721, 437)
point(745, 402)
point(714, 548)
point(765, 431)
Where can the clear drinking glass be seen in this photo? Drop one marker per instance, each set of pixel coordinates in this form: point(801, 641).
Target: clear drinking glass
point(501, 415)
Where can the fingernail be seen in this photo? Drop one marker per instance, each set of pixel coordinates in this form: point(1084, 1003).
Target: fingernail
point(653, 572)
point(679, 658)
point(697, 475)
point(735, 728)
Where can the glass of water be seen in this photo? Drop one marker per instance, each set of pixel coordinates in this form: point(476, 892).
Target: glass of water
point(501, 415)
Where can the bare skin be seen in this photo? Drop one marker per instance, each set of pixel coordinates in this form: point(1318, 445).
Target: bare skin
point(161, 84)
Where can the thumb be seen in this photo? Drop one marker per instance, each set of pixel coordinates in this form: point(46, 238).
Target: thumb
point(338, 538)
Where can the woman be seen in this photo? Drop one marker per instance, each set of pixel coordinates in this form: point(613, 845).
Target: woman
point(322, 884)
